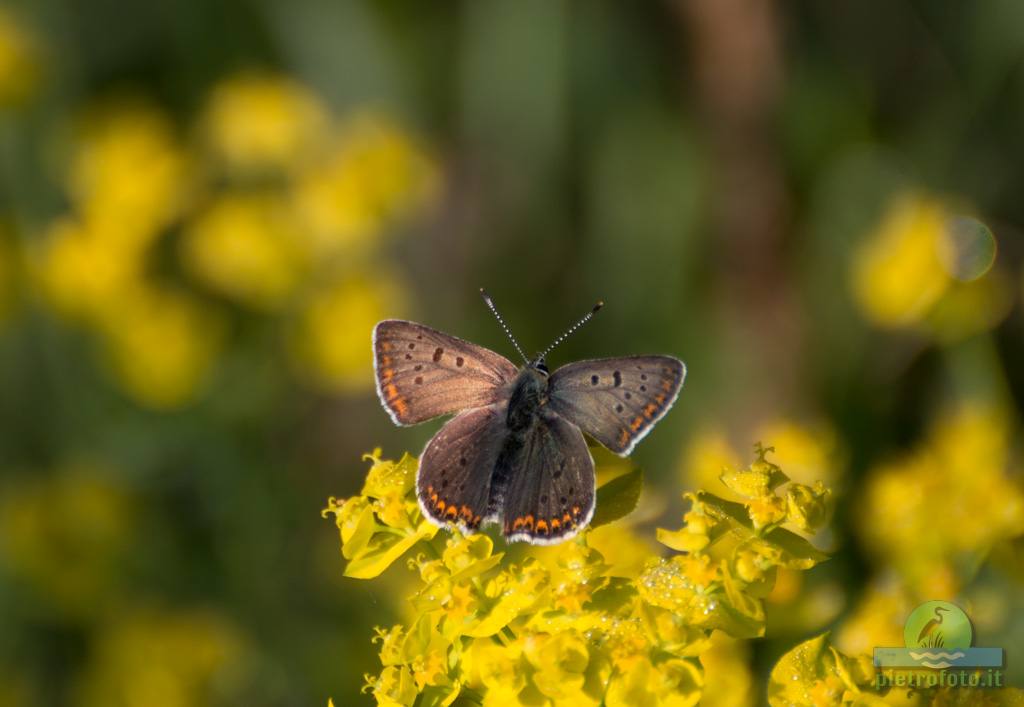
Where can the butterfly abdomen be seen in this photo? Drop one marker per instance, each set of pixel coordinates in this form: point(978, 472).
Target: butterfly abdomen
point(524, 405)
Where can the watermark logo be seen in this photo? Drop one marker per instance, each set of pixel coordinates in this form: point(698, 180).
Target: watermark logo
point(938, 637)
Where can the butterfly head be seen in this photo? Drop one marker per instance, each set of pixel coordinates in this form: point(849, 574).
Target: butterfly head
point(539, 363)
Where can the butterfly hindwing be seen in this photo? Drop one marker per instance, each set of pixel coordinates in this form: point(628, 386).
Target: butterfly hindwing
point(549, 495)
point(423, 373)
point(616, 400)
point(454, 479)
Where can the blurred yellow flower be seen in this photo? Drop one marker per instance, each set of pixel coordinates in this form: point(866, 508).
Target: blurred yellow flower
point(65, 535)
point(19, 61)
point(945, 504)
point(149, 658)
point(374, 174)
point(82, 274)
point(877, 620)
point(330, 343)
point(968, 308)
point(129, 177)
point(245, 246)
point(708, 453)
point(160, 344)
point(256, 122)
point(728, 678)
point(898, 272)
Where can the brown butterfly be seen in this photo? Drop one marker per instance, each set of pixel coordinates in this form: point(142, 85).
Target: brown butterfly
point(514, 453)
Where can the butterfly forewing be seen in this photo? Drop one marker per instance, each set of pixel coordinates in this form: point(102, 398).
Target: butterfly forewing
point(454, 479)
point(550, 489)
point(422, 373)
point(616, 400)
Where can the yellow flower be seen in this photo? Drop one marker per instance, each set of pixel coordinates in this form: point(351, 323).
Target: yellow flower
point(394, 688)
point(898, 273)
point(809, 452)
point(19, 62)
point(256, 122)
point(83, 274)
point(559, 663)
point(128, 176)
point(65, 535)
point(159, 345)
point(328, 342)
point(576, 572)
point(373, 174)
point(756, 481)
point(728, 679)
point(671, 683)
point(245, 245)
point(958, 476)
point(766, 510)
point(814, 674)
point(805, 506)
point(559, 629)
point(146, 658)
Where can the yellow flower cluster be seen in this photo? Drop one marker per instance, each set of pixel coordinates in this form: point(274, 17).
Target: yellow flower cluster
point(941, 508)
point(272, 206)
point(927, 268)
point(559, 625)
point(816, 674)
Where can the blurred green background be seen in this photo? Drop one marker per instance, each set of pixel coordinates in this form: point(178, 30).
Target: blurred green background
point(205, 207)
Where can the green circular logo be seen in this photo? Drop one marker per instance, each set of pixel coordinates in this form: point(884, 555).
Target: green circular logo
point(938, 624)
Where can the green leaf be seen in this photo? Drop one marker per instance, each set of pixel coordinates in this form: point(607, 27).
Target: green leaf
point(617, 498)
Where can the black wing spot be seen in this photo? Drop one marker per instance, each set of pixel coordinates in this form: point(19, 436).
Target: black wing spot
point(628, 395)
point(544, 499)
point(594, 380)
point(557, 474)
point(444, 483)
point(643, 376)
point(419, 337)
point(419, 367)
point(437, 354)
point(643, 388)
point(564, 500)
point(419, 380)
point(408, 357)
point(459, 361)
point(618, 378)
point(412, 346)
point(618, 407)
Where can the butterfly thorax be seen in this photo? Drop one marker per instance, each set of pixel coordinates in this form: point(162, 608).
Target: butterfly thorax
point(529, 393)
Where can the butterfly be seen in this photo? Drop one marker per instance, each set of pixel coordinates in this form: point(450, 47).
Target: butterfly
point(514, 453)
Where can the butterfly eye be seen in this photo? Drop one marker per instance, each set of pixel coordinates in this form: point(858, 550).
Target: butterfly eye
point(542, 367)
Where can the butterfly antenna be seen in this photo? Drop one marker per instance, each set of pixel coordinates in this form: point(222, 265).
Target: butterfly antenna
point(508, 332)
point(565, 335)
